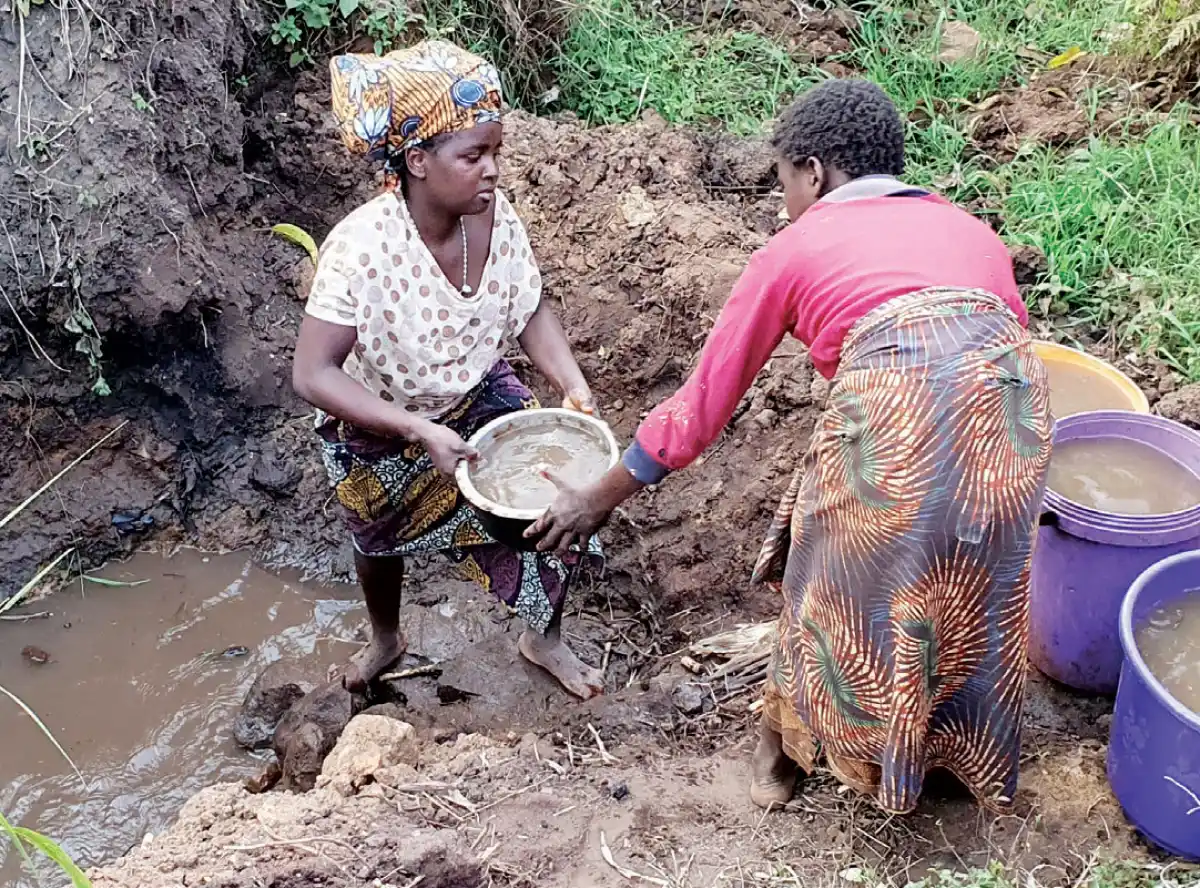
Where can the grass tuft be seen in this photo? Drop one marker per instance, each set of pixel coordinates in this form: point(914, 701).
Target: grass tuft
point(617, 62)
point(1120, 225)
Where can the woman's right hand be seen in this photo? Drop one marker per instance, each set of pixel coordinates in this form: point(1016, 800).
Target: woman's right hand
point(445, 447)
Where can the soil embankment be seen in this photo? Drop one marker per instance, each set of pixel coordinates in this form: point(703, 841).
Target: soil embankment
point(150, 216)
point(152, 149)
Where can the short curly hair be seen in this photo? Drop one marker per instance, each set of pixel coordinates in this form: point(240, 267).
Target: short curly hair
point(850, 125)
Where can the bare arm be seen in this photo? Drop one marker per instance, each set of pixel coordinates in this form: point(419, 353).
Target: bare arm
point(546, 344)
point(750, 326)
point(318, 378)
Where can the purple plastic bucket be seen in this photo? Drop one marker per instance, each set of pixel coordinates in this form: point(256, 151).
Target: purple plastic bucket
point(1154, 745)
point(1086, 559)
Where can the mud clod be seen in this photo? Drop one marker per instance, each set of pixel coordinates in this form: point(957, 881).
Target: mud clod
point(308, 732)
point(1182, 406)
point(267, 702)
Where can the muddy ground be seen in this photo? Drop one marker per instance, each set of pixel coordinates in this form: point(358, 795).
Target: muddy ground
point(151, 152)
point(542, 810)
point(147, 151)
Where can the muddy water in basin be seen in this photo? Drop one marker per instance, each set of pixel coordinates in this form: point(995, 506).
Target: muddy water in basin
point(1122, 476)
point(1075, 389)
point(141, 688)
point(511, 466)
point(1169, 642)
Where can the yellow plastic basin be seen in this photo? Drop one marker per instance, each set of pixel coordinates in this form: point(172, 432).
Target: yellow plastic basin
point(1086, 383)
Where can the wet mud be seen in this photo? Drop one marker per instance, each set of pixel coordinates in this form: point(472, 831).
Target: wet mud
point(160, 688)
point(142, 686)
point(151, 231)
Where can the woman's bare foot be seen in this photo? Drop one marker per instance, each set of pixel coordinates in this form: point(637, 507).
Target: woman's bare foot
point(366, 665)
point(549, 652)
point(774, 773)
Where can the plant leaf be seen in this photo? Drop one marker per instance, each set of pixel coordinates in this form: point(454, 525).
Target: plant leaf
point(45, 730)
point(1065, 58)
point(15, 838)
point(102, 581)
point(348, 7)
point(51, 849)
point(298, 236)
point(1183, 32)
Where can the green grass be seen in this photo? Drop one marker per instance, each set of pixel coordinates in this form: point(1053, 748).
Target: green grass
point(1117, 219)
point(617, 63)
point(1120, 224)
point(1097, 874)
point(897, 47)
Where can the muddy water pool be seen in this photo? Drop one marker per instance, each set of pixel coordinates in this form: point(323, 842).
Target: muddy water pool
point(142, 689)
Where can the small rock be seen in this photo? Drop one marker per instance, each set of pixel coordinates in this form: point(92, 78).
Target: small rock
point(309, 730)
point(265, 780)
point(1030, 265)
point(302, 274)
point(528, 747)
point(369, 744)
point(130, 521)
point(959, 43)
point(35, 655)
point(397, 775)
point(1182, 405)
point(273, 693)
point(820, 390)
point(766, 418)
point(387, 710)
point(688, 698)
point(637, 208)
point(619, 791)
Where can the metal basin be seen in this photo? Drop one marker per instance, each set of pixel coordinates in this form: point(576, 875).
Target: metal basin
point(507, 525)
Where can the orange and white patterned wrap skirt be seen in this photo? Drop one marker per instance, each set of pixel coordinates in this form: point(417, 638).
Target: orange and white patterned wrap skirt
point(902, 550)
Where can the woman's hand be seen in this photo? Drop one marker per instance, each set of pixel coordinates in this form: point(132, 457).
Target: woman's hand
point(573, 517)
point(445, 447)
point(580, 400)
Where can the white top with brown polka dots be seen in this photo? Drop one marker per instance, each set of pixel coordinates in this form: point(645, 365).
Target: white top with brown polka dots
point(421, 343)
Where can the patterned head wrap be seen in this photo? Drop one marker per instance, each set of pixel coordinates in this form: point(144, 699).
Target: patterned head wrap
point(385, 105)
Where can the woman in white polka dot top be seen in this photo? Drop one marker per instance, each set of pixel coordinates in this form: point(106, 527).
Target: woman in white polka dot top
point(418, 295)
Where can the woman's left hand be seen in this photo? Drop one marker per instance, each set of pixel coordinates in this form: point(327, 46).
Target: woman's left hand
point(573, 517)
point(580, 400)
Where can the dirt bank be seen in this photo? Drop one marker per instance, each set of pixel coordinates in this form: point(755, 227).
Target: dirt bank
point(156, 147)
point(152, 153)
point(546, 810)
point(194, 304)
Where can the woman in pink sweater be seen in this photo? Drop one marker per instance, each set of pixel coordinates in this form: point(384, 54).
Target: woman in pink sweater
point(902, 545)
